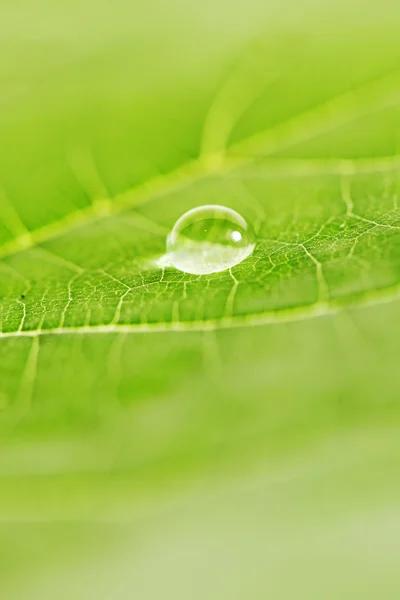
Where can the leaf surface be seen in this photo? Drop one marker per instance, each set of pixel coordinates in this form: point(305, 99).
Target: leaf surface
point(230, 413)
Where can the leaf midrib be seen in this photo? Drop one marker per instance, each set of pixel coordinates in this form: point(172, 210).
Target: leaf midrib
point(362, 101)
point(285, 315)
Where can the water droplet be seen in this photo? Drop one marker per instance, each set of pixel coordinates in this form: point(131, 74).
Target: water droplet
point(209, 239)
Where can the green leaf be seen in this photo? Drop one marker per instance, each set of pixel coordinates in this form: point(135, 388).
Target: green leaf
point(201, 436)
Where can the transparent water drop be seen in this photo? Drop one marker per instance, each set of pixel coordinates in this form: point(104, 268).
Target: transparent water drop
point(209, 239)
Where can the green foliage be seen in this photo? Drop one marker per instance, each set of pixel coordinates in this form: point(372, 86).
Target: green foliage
point(232, 435)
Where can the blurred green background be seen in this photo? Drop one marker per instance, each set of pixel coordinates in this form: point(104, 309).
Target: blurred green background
point(234, 435)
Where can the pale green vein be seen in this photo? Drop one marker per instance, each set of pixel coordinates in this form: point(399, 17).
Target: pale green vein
point(12, 220)
point(186, 176)
point(379, 94)
point(348, 200)
point(375, 96)
point(300, 313)
point(81, 160)
point(249, 79)
point(314, 167)
point(323, 288)
point(158, 186)
point(54, 258)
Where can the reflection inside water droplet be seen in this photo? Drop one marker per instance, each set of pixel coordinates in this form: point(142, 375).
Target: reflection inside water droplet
point(208, 239)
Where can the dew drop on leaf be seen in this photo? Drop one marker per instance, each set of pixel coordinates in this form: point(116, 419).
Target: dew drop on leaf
point(209, 239)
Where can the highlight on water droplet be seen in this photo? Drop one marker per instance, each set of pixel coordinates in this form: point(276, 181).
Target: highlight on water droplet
point(209, 239)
